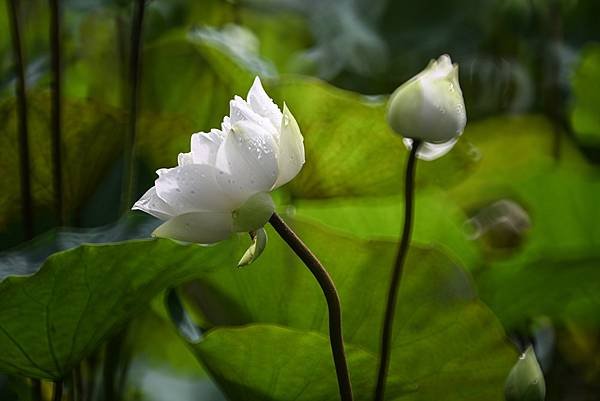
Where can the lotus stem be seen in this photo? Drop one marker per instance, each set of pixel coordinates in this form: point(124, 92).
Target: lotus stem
point(23, 132)
point(388, 321)
point(57, 390)
point(331, 296)
point(134, 79)
point(56, 110)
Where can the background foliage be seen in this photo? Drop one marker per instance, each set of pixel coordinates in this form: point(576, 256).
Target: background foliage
point(506, 242)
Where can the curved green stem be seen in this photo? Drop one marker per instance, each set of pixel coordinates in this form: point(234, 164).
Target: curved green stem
point(332, 298)
point(388, 322)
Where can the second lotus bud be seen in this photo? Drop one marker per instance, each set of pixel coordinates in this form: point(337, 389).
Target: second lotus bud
point(430, 108)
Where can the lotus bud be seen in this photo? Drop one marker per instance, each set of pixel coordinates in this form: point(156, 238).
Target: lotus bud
point(525, 381)
point(259, 242)
point(430, 108)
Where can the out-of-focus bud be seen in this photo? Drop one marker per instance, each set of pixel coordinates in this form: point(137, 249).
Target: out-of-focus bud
point(430, 108)
point(501, 225)
point(525, 381)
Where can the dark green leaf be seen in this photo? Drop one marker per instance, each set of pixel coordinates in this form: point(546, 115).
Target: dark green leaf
point(51, 320)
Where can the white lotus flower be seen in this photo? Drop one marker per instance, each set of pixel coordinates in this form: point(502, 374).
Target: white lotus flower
point(430, 108)
point(222, 185)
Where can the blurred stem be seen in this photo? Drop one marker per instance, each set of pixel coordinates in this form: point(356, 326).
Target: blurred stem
point(388, 321)
point(332, 298)
point(77, 384)
point(110, 366)
point(36, 390)
point(117, 358)
point(57, 390)
point(24, 167)
point(92, 368)
point(56, 110)
point(134, 78)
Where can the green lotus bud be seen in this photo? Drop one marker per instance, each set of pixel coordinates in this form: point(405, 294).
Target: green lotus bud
point(259, 242)
point(430, 108)
point(525, 381)
point(253, 214)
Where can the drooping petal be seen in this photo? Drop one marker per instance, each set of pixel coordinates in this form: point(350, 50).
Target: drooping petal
point(431, 151)
point(199, 227)
point(240, 111)
point(154, 206)
point(262, 104)
point(248, 158)
point(205, 146)
point(291, 149)
point(192, 188)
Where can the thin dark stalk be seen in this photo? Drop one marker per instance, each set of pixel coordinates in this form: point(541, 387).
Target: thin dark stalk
point(388, 322)
point(24, 167)
point(58, 390)
point(117, 359)
point(92, 369)
point(36, 390)
point(56, 110)
point(78, 392)
point(134, 78)
point(110, 367)
point(332, 298)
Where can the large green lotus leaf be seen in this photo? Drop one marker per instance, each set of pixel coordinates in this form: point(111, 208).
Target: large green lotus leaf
point(274, 363)
point(511, 148)
point(444, 337)
point(198, 88)
point(27, 258)
point(586, 90)
point(556, 274)
point(52, 319)
point(281, 38)
point(565, 289)
point(95, 64)
point(437, 220)
point(91, 134)
point(350, 149)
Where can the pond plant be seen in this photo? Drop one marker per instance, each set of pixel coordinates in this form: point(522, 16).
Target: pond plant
point(219, 200)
